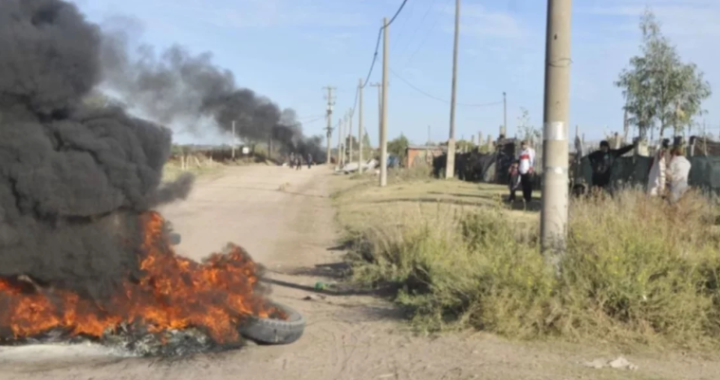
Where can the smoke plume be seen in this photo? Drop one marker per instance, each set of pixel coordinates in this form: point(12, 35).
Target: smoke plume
point(72, 179)
point(179, 88)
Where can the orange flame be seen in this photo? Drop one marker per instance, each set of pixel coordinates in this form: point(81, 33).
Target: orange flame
point(173, 293)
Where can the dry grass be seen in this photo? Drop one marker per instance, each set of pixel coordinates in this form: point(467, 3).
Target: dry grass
point(636, 270)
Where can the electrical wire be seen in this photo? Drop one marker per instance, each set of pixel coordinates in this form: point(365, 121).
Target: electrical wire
point(315, 120)
point(422, 42)
point(415, 32)
point(441, 99)
point(375, 55)
point(377, 44)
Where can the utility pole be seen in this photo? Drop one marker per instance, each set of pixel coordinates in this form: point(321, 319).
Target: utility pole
point(504, 128)
point(233, 140)
point(360, 126)
point(341, 155)
point(450, 162)
point(350, 136)
point(380, 105)
point(330, 104)
point(554, 215)
point(383, 112)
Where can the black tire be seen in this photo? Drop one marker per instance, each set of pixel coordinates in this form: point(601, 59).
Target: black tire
point(274, 331)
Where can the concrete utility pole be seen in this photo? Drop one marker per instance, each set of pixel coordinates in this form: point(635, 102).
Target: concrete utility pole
point(330, 104)
point(383, 123)
point(350, 136)
point(360, 126)
point(233, 140)
point(504, 128)
point(450, 162)
point(341, 143)
point(554, 215)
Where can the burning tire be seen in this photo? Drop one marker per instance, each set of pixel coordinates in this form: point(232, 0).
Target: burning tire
point(275, 331)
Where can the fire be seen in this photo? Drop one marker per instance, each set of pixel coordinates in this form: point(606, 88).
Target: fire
point(173, 293)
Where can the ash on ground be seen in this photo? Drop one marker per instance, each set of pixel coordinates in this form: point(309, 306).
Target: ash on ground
point(138, 342)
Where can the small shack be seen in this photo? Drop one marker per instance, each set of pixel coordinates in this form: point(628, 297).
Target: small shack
point(417, 155)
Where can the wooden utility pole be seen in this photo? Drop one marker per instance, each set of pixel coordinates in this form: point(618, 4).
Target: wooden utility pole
point(383, 123)
point(360, 126)
point(450, 162)
point(554, 214)
point(504, 129)
point(328, 130)
point(233, 140)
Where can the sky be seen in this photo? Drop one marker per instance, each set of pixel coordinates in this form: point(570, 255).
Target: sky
point(288, 50)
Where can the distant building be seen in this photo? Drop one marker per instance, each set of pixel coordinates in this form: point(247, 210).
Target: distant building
point(417, 155)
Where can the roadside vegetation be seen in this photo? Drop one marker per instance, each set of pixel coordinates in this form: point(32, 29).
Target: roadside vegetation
point(636, 270)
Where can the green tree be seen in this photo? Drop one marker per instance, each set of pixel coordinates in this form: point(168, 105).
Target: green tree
point(464, 146)
point(660, 90)
point(367, 147)
point(398, 146)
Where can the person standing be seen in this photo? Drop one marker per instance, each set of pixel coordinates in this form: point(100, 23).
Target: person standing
point(526, 168)
point(514, 181)
point(602, 161)
point(656, 177)
point(678, 173)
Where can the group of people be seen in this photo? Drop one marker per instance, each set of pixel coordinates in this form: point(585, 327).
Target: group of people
point(296, 161)
point(668, 175)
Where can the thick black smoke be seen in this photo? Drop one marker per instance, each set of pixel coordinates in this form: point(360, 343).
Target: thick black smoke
point(72, 180)
point(180, 88)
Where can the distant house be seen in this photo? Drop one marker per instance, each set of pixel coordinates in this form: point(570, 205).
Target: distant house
point(417, 155)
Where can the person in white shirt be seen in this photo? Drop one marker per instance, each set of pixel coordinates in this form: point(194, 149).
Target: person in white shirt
point(656, 177)
point(677, 174)
point(526, 169)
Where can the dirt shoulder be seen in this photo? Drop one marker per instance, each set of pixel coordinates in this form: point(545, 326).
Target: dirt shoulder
point(286, 220)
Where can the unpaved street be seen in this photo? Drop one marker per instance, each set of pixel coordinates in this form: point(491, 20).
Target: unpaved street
point(284, 219)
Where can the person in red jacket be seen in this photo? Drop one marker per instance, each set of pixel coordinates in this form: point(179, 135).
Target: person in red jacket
point(526, 160)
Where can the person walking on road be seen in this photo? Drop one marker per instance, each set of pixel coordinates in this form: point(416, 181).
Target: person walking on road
point(526, 160)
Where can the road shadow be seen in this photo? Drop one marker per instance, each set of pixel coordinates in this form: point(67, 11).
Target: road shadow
point(342, 247)
point(535, 204)
point(279, 190)
point(483, 194)
point(337, 290)
point(456, 202)
point(335, 271)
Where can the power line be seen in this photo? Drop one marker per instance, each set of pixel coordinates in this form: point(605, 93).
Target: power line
point(441, 99)
point(375, 55)
point(377, 44)
point(422, 42)
point(315, 120)
point(412, 36)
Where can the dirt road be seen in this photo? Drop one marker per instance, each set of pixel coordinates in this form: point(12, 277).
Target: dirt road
point(291, 232)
